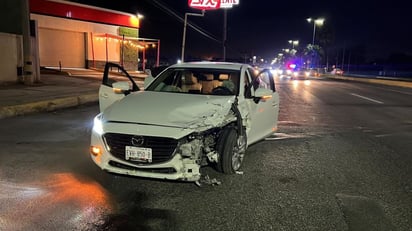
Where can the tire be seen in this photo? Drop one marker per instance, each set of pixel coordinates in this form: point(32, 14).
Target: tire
point(230, 156)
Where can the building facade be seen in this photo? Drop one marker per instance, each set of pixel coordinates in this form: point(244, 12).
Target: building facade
point(55, 33)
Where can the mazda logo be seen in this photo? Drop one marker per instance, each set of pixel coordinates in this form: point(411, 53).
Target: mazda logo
point(137, 141)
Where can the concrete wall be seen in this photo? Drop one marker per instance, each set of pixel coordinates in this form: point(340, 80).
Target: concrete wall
point(11, 58)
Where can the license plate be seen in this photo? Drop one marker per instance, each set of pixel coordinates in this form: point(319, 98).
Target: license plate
point(138, 154)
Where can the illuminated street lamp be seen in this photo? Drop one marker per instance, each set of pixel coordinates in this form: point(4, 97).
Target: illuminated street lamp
point(286, 50)
point(316, 22)
point(294, 43)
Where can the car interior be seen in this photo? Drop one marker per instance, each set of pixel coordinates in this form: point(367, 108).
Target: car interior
point(200, 82)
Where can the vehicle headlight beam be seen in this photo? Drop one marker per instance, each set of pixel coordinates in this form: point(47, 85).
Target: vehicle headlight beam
point(98, 125)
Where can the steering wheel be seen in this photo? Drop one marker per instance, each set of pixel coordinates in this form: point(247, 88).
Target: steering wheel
point(221, 91)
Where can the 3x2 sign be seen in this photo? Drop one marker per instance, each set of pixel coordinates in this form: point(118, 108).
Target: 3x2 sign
point(212, 4)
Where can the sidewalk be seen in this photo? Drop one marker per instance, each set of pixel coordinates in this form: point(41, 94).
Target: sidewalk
point(56, 90)
point(53, 92)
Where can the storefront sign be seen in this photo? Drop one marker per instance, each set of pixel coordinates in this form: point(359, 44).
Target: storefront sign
point(212, 4)
point(128, 32)
point(228, 3)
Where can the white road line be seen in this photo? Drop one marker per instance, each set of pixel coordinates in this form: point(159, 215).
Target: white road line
point(282, 136)
point(364, 97)
point(384, 135)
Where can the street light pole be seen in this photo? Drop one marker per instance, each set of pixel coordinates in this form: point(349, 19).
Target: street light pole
point(184, 31)
point(294, 42)
point(318, 22)
point(224, 33)
point(314, 32)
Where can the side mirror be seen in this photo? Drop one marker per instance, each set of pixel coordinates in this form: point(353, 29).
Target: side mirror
point(153, 73)
point(149, 77)
point(121, 87)
point(262, 94)
point(148, 72)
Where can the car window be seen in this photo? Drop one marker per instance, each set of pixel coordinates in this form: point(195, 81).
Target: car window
point(263, 79)
point(197, 81)
point(114, 73)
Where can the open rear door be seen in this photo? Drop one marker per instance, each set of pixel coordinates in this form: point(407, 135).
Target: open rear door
point(113, 75)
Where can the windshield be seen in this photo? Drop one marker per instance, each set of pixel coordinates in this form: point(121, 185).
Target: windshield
point(197, 81)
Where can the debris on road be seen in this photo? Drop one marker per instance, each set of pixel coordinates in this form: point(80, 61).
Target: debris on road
point(207, 180)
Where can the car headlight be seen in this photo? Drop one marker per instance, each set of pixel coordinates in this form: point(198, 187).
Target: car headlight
point(97, 124)
point(307, 73)
point(295, 73)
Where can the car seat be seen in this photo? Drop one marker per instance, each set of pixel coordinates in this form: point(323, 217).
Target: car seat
point(190, 83)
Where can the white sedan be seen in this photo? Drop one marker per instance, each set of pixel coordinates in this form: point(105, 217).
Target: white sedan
point(189, 116)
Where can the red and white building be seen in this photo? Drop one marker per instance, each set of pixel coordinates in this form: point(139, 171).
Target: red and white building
point(67, 34)
point(77, 35)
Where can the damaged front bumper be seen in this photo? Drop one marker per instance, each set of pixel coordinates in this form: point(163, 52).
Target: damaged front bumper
point(176, 166)
point(175, 169)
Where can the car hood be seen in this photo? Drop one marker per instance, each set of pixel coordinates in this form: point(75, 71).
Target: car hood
point(171, 109)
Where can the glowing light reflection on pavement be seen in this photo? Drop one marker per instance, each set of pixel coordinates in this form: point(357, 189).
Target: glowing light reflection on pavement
point(62, 196)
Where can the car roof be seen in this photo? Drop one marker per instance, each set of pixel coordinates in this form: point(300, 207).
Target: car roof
point(213, 65)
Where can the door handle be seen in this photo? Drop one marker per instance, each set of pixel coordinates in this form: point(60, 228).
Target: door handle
point(104, 95)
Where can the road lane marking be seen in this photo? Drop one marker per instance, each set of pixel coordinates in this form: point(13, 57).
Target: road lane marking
point(384, 135)
point(282, 136)
point(364, 97)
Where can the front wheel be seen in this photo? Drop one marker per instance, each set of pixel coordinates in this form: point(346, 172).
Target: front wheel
point(231, 151)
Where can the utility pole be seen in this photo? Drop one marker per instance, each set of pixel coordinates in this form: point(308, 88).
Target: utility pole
point(27, 55)
point(184, 31)
point(224, 33)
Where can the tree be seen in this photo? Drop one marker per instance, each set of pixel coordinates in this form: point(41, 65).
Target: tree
point(312, 55)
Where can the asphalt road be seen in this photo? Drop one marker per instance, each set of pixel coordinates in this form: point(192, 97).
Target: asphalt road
point(341, 160)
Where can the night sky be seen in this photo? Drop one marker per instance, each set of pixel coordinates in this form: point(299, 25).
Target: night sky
point(263, 28)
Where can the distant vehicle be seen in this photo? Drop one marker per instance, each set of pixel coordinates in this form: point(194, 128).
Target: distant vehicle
point(277, 72)
point(287, 73)
point(314, 72)
point(191, 115)
point(301, 74)
point(337, 71)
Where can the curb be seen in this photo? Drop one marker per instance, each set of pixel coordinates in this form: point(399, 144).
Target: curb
point(53, 72)
point(47, 105)
point(396, 83)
